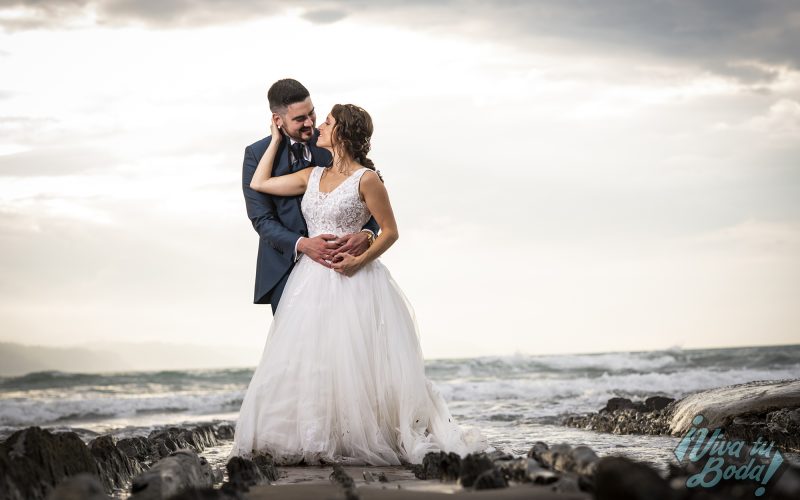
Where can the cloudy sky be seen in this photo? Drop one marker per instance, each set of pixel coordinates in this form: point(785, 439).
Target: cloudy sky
point(567, 176)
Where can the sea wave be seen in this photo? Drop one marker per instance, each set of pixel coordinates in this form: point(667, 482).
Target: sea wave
point(502, 388)
point(20, 412)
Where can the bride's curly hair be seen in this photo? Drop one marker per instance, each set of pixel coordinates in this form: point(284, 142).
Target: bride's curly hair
point(352, 133)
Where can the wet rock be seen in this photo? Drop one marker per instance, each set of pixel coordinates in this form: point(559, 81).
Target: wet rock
point(567, 483)
point(536, 450)
point(623, 416)
point(781, 427)
point(787, 486)
point(207, 494)
point(179, 471)
point(584, 461)
point(266, 464)
point(472, 466)
point(490, 479)
point(165, 441)
point(138, 448)
point(655, 403)
point(79, 487)
point(557, 457)
point(499, 455)
point(224, 432)
point(526, 470)
point(33, 461)
point(439, 465)
point(114, 465)
point(579, 463)
point(616, 404)
point(244, 473)
point(618, 478)
point(343, 479)
point(722, 405)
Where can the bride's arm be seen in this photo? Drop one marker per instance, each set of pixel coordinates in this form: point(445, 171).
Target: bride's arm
point(377, 200)
point(283, 185)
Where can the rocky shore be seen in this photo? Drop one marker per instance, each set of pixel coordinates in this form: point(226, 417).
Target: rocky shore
point(766, 409)
point(36, 464)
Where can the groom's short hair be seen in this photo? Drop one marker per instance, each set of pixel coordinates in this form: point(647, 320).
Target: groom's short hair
point(285, 92)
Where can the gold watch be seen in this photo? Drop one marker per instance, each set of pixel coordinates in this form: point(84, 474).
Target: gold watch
point(370, 236)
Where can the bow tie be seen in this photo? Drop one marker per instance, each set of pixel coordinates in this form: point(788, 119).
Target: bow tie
point(299, 152)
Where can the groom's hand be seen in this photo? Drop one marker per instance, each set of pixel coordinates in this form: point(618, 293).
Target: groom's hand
point(320, 248)
point(354, 243)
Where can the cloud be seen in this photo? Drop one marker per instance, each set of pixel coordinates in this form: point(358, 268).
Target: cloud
point(742, 39)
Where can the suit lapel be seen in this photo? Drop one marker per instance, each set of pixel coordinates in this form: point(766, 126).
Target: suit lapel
point(283, 166)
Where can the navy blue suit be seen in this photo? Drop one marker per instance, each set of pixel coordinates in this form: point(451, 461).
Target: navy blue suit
point(277, 219)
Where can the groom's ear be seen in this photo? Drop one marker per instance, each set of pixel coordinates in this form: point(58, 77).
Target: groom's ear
point(278, 119)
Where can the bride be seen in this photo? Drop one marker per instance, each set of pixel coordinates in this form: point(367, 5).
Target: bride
point(341, 378)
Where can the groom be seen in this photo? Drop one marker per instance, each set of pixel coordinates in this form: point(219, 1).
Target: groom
point(283, 235)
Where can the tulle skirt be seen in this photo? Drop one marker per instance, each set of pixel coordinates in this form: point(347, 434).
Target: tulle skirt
point(342, 378)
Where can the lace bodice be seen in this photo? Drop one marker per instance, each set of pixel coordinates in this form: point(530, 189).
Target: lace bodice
point(339, 212)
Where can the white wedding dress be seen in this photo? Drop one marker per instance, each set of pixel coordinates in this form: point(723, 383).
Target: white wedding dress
point(342, 378)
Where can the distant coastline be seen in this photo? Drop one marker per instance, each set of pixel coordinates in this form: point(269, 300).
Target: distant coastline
point(20, 359)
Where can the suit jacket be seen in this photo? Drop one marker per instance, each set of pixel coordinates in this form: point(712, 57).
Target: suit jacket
point(277, 219)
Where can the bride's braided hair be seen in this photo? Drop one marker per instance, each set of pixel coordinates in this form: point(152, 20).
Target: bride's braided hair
point(352, 134)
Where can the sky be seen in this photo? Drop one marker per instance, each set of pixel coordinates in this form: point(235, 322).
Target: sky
point(566, 176)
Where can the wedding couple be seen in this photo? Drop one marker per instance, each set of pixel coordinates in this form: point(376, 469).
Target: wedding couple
point(341, 378)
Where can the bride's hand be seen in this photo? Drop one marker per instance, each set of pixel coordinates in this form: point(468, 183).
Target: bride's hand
point(277, 136)
point(348, 265)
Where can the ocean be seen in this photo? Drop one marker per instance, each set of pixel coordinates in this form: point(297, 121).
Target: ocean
point(515, 400)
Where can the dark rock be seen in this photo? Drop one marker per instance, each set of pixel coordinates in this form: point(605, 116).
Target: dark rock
point(499, 455)
point(763, 408)
point(266, 464)
point(114, 465)
point(787, 486)
point(33, 461)
point(584, 461)
point(439, 465)
point(490, 479)
point(79, 487)
point(615, 404)
point(526, 470)
point(567, 483)
point(472, 466)
point(618, 478)
point(138, 448)
point(580, 463)
point(180, 471)
point(343, 479)
point(382, 477)
point(224, 432)
point(657, 402)
point(208, 494)
point(243, 473)
point(557, 457)
point(623, 421)
point(168, 440)
point(781, 427)
point(536, 450)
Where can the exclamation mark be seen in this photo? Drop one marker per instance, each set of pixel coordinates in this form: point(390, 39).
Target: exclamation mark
point(776, 462)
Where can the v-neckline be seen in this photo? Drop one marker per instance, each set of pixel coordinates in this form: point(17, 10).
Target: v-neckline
point(319, 181)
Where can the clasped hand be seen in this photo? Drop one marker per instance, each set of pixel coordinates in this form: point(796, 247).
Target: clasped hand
point(337, 253)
